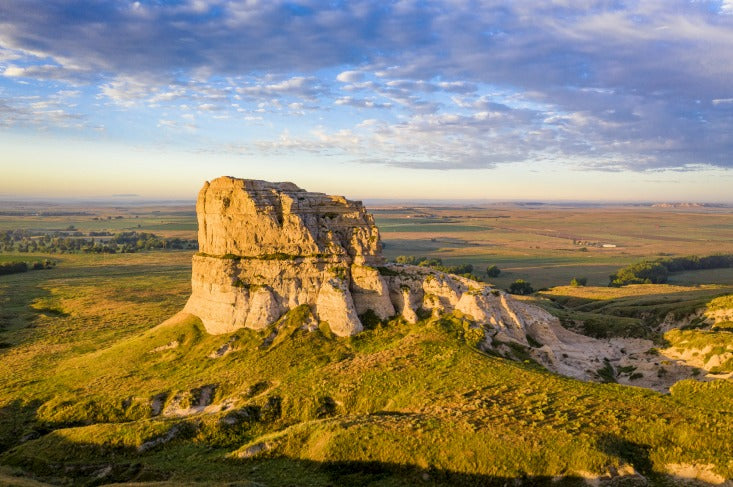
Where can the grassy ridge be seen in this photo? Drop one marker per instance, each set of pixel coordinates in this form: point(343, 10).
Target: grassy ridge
point(648, 311)
point(86, 359)
point(632, 311)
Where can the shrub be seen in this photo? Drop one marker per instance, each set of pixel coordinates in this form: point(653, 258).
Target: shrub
point(579, 281)
point(657, 271)
point(431, 262)
point(437, 264)
point(409, 259)
point(13, 267)
point(645, 272)
point(520, 286)
point(493, 271)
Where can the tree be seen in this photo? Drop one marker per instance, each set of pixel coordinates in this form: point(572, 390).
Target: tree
point(493, 271)
point(430, 262)
point(520, 286)
point(579, 281)
point(644, 272)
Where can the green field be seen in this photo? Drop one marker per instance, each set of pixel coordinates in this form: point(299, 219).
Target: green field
point(167, 221)
point(537, 244)
point(96, 387)
point(389, 406)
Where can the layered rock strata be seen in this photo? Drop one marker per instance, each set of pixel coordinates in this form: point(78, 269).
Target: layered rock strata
point(266, 248)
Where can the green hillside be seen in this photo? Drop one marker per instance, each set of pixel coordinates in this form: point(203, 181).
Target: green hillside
point(93, 391)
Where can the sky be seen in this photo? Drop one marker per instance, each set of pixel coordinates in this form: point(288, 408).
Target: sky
point(415, 99)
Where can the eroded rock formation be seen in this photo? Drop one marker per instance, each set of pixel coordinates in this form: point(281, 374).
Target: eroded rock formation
point(267, 248)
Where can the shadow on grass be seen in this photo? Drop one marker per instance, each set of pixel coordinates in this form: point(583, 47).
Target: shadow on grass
point(17, 419)
point(634, 454)
point(183, 461)
point(17, 293)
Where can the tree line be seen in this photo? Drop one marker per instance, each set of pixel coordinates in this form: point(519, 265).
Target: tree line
point(95, 242)
point(464, 270)
point(657, 271)
point(17, 267)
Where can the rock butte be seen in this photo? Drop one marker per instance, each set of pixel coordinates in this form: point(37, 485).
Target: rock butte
point(267, 248)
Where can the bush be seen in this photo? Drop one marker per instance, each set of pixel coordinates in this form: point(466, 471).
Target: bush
point(16, 267)
point(645, 272)
point(520, 286)
point(657, 271)
point(435, 263)
point(579, 281)
point(13, 267)
point(431, 262)
point(493, 271)
point(409, 259)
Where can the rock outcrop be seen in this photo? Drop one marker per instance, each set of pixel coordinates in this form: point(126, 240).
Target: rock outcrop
point(267, 248)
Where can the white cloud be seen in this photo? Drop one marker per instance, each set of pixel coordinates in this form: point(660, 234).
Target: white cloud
point(360, 103)
point(456, 85)
point(47, 72)
point(176, 125)
point(172, 93)
point(126, 91)
point(308, 88)
point(43, 114)
point(350, 76)
point(722, 101)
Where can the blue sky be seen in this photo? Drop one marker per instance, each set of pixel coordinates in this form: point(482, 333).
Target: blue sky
point(572, 100)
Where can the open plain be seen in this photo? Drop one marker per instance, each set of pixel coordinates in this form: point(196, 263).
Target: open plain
point(96, 390)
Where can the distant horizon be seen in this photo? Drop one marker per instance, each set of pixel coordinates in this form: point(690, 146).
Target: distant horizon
point(105, 201)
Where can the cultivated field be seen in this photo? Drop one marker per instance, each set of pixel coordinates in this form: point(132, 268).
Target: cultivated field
point(546, 245)
point(549, 245)
point(164, 220)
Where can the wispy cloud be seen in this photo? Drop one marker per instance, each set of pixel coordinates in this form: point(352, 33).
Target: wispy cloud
point(603, 85)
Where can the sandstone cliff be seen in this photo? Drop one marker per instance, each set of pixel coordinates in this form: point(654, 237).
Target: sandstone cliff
point(267, 248)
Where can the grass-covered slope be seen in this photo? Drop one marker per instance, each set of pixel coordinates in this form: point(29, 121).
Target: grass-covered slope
point(637, 311)
point(398, 404)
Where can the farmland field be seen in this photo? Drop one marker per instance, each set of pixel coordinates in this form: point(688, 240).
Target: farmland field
point(544, 244)
point(549, 245)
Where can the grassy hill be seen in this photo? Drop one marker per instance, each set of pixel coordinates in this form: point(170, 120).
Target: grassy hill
point(93, 390)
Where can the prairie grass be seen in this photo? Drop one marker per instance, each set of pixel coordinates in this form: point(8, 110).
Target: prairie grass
point(88, 350)
point(403, 399)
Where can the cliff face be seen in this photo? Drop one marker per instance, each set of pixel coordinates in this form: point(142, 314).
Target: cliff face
point(257, 219)
point(266, 248)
